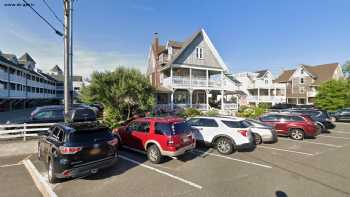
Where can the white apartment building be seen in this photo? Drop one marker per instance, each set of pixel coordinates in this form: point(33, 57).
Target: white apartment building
point(190, 74)
point(260, 88)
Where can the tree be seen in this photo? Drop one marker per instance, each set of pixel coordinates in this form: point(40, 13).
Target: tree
point(123, 92)
point(333, 95)
point(346, 68)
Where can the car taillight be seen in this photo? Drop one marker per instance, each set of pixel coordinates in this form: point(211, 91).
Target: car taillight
point(243, 132)
point(113, 142)
point(69, 150)
point(171, 142)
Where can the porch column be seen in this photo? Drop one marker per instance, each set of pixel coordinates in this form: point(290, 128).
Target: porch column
point(207, 95)
point(171, 75)
point(207, 73)
point(172, 100)
point(258, 101)
point(222, 100)
point(191, 91)
point(191, 78)
point(222, 79)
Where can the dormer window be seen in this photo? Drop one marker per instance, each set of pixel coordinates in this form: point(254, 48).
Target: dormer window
point(199, 53)
point(302, 71)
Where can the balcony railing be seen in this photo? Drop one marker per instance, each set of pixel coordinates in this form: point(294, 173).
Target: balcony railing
point(17, 79)
point(3, 93)
point(275, 99)
point(194, 82)
point(3, 75)
point(266, 86)
point(230, 106)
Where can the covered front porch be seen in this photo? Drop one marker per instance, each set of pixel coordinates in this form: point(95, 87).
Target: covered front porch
point(198, 98)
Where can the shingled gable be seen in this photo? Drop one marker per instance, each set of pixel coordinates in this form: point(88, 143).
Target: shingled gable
point(206, 39)
point(320, 73)
point(26, 58)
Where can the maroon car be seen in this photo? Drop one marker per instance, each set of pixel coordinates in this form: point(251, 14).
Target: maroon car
point(297, 126)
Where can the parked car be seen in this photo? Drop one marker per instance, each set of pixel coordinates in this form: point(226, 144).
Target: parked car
point(225, 134)
point(77, 148)
point(263, 133)
point(296, 126)
point(321, 117)
point(342, 115)
point(158, 136)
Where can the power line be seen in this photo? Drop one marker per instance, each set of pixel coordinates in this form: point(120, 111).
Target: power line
point(53, 12)
point(47, 22)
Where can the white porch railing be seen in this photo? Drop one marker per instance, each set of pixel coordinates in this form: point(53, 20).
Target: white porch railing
point(187, 82)
point(163, 107)
point(274, 99)
point(230, 106)
point(10, 131)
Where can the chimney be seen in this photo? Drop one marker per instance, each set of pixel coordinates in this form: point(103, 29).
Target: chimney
point(156, 42)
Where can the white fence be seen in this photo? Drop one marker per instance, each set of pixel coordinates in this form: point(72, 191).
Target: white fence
point(10, 131)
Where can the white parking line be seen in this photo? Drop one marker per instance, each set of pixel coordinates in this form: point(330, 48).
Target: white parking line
point(318, 143)
point(9, 165)
point(335, 137)
point(39, 180)
point(285, 150)
point(342, 132)
point(162, 172)
point(230, 158)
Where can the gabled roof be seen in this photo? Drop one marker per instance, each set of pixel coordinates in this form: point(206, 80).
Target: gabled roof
point(261, 73)
point(233, 79)
point(210, 45)
point(284, 77)
point(9, 56)
point(57, 69)
point(320, 73)
point(26, 58)
point(176, 44)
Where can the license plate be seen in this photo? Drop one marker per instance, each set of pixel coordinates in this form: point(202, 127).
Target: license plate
point(95, 151)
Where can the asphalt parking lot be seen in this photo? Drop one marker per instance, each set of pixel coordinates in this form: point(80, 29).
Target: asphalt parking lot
point(312, 167)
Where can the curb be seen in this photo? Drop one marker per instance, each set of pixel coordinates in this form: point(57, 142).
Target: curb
point(39, 181)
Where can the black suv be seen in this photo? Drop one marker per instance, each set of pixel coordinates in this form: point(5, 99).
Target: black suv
point(321, 117)
point(78, 148)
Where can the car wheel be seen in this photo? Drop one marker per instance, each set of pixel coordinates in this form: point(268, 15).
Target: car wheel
point(258, 139)
point(51, 172)
point(296, 134)
point(224, 146)
point(153, 154)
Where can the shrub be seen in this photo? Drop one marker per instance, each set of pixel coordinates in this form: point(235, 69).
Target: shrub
point(212, 112)
point(190, 112)
point(251, 112)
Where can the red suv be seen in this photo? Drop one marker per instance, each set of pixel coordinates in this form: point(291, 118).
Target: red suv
point(158, 137)
point(294, 125)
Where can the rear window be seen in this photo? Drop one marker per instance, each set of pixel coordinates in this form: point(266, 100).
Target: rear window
point(172, 129)
point(90, 135)
point(236, 124)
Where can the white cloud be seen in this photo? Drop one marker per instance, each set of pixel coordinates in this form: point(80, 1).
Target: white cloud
point(48, 53)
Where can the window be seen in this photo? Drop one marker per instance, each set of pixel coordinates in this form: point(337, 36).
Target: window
point(302, 90)
point(295, 119)
point(266, 81)
point(199, 53)
point(301, 80)
point(163, 129)
point(43, 115)
point(139, 126)
point(235, 124)
point(302, 71)
point(57, 134)
point(203, 122)
point(270, 118)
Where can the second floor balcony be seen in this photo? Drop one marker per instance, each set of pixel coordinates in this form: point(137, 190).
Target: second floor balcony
point(186, 82)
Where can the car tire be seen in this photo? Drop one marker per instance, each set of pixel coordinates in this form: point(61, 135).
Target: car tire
point(296, 134)
point(224, 146)
point(257, 139)
point(154, 155)
point(51, 172)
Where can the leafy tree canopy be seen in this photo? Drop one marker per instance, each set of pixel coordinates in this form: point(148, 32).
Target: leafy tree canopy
point(333, 95)
point(123, 92)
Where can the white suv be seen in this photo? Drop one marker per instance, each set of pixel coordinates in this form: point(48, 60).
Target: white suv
point(224, 133)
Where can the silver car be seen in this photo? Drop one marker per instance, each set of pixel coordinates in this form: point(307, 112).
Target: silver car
point(262, 132)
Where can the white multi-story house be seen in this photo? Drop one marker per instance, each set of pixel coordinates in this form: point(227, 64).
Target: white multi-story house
point(260, 88)
point(22, 84)
point(190, 74)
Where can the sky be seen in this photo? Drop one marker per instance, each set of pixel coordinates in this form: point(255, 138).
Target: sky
point(249, 34)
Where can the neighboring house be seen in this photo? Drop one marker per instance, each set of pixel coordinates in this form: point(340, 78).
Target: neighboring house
point(58, 74)
point(260, 88)
point(302, 83)
point(190, 74)
point(22, 84)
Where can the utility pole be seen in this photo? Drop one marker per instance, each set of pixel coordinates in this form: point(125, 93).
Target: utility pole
point(71, 52)
point(67, 58)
